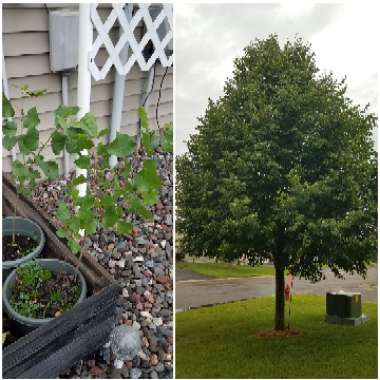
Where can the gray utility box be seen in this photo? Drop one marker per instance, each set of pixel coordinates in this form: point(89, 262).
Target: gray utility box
point(344, 308)
point(63, 39)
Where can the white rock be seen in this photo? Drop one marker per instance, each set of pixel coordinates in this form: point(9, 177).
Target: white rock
point(142, 355)
point(125, 293)
point(157, 321)
point(121, 263)
point(138, 259)
point(146, 314)
point(136, 325)
point(163, 244)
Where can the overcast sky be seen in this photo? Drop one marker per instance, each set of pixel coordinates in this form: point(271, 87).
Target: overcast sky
point(345, 38)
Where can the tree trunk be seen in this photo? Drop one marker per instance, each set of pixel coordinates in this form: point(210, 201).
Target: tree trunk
point(280, 298)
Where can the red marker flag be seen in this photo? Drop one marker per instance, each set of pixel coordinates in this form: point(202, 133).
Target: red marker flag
point(288, 286)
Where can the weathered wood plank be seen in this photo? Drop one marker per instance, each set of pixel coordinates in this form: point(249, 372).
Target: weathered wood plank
point(68, 355)
point(97, 276)
point(66, 339)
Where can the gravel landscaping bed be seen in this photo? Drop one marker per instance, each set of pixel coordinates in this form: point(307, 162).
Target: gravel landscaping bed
point(142, 264)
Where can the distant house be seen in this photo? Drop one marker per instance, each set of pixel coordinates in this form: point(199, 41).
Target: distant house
point(26, 56)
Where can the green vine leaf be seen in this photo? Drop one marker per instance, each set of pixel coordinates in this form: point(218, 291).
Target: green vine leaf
point(147, 178)
point(63, 212)
point(88, 125)
point(138, 208)
point(167, 143)
point(34, 93)
point(74, 246)
point(9, 142)
point(58, 141)
point(121, 146)
point(124, 227)
point(150, 197)
point(111, 216)
point(79, 180)
point(104, 132)
point(9, 134)
point(143, 119)
point(50, 169)
point(31, 119)
point(147, 140)
point(83, 162)
point(28, 142)
point(20, 170)
point(8, 110)
point(62, 113)
point(61, 233)
point(9, 128)
point(77, 141)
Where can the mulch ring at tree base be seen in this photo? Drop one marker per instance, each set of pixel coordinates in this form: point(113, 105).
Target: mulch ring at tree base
point(278, 333)
point(22, 246)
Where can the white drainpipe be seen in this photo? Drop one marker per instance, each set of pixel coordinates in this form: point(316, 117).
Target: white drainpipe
point(65, 101)
point(145, 98)
point(118, 94)
point(6, 93)
point(84, 74)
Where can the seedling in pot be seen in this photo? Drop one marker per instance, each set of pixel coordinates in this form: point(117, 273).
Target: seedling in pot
point(30, 165)
point(39, 293)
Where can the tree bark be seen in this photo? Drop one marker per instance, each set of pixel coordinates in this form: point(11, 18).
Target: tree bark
point(280, 298)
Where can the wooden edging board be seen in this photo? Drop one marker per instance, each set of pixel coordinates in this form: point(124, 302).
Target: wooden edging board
point(56, 346)
point(95, 274)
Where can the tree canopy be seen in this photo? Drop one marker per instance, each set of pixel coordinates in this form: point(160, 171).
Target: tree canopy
point(282, 167)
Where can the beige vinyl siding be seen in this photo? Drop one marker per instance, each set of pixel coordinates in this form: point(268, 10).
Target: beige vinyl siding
point(26, 51)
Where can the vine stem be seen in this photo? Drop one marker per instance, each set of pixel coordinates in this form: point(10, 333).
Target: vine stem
point(78, 263)
point(44, 145)
point(14, 222)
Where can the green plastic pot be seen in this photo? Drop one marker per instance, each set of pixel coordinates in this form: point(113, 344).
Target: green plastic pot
point(26, 227)
point(54, 265)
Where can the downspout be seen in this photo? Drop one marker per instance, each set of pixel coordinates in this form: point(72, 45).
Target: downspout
point(6, 93)
point(119, 90)
point(144, 101)
point(84, 74)
point(65, 100)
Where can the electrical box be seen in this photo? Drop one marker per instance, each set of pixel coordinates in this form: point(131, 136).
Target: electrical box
point(63, 39)
point(344, 308)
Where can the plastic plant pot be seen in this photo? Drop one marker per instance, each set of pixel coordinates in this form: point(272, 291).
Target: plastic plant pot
point(54, 265)
point(26, 227)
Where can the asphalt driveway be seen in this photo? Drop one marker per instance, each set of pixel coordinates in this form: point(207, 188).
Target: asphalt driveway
point(194, 290)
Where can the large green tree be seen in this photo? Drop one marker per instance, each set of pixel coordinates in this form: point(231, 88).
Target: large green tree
point(282, 167)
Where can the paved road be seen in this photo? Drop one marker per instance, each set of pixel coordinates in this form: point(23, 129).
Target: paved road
point(186, 275)
point(193, 292)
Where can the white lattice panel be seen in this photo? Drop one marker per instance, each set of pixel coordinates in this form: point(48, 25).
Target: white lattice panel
point(128, 38)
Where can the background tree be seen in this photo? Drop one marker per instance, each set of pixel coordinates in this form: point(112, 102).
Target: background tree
point(283, 168)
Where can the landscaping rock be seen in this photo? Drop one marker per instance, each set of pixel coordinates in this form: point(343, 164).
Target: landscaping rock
point(142, 263)
point(135, 373)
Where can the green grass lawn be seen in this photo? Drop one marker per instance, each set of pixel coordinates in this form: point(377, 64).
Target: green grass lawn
point(225, 270)
point(220, 342)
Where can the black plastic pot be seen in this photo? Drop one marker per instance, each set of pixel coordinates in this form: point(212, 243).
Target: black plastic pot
point(54, 265)
point(26, 227)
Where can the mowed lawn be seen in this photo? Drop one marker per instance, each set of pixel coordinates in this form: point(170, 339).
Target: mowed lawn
point(221, 342)
point(226, 270)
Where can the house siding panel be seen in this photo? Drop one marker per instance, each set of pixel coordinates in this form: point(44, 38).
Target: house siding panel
point(26, 51)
